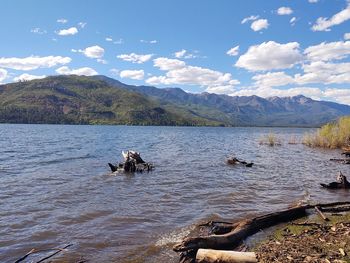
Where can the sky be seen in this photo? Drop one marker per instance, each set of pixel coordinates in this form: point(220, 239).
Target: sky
point(234, 47)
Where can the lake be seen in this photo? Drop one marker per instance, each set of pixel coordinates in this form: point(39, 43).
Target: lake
point(56, 187)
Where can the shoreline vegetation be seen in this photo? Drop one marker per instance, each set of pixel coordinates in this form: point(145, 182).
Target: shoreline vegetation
point(309, 239)
point(333, 135)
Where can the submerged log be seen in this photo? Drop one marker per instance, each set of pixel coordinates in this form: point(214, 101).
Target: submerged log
point(234, 161)
point(219, 256)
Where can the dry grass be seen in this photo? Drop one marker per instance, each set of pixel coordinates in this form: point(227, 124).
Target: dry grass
point(270, 139)
point(332, 135)
point(293, 140)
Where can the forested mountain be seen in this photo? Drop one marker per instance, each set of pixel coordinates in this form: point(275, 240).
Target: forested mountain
point(102, 100)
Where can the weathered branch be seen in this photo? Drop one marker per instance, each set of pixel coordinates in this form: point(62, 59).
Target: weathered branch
point(321, 214)
point(217, 256)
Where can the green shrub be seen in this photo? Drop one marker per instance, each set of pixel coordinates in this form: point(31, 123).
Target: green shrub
point(332, 135)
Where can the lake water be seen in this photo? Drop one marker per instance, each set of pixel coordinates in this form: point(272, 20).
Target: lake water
point(56, 189)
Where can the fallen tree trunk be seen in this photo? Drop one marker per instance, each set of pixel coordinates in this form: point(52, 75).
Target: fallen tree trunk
point(241, 230)
point(220, 256)
point(244, 229)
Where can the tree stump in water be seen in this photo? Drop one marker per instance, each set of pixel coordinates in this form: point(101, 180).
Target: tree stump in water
point(132, 163)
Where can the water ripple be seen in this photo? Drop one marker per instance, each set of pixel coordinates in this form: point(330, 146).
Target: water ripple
point(55, 186)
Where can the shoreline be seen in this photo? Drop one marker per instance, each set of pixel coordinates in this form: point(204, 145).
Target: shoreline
point(308, 239)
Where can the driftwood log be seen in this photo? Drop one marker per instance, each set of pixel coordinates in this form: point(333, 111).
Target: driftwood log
point(232, 235)
point(214, 256)
point(242, 230)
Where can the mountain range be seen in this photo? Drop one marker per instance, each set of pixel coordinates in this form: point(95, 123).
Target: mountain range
point(101, 100)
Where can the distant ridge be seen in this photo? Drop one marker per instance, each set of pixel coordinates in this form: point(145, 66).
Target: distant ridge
point(249, 110)
point(102, 100)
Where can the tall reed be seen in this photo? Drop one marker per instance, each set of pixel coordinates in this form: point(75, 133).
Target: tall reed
point(270, 139)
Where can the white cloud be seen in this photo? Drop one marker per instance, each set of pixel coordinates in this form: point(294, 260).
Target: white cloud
point(293, 20)
point(273, 79)
point(132, 74)
point(67, 32)
point(325, 73)
point(93, 52)
point(177, 72)
point(233, 51)
point(102, 61)
point(328, 51)
point(270, 55)
point(149, 41)
point(38, 31)
point(33, 62)
point(313, 1)
point(27, 77)
point(260, 24)
point(109, 39)
point(324, 24)
point(339, 95)
point(180, 53)
point(135, 58)
point(85, 71)
point(284, 11)
point(119, 41)
point(316, 72)
point(3, 74)
point(347, 36)
point(184, 54)
point(82, 24)
point(62, 20)
point(228, 89)
point(168, 63)
point(249, 18)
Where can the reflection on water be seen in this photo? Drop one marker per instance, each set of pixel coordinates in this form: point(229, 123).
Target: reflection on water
point(55, 188)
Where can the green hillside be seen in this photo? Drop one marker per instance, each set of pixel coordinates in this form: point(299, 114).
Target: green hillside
point(86, 100)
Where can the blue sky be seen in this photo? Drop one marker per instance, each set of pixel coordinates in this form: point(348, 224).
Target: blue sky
point(241, 47)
